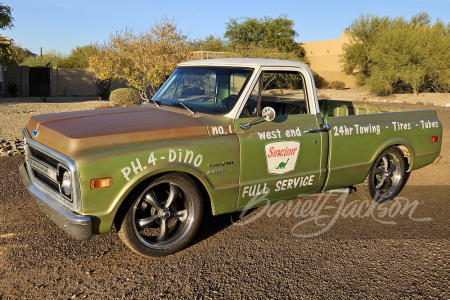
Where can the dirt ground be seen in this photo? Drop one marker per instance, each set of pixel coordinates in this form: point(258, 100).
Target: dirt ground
point(384, 254)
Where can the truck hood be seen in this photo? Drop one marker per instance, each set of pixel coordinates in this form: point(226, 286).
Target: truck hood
point(73, 132)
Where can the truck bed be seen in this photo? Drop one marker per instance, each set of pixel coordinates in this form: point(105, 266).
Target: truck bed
point(339, 108)
point(359, 132)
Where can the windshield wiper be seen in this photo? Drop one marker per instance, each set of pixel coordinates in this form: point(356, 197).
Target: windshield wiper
point(157, 103)
point(189, 109)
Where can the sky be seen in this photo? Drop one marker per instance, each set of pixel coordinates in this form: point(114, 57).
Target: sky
point(62, 25)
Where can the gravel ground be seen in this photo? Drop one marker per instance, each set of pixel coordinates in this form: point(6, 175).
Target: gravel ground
point(15, 112)
point(363, 94)
point(356, 258)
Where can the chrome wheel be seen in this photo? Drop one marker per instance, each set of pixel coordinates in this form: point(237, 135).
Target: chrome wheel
point(162, 218)
point(163, 214)
point(388, 175)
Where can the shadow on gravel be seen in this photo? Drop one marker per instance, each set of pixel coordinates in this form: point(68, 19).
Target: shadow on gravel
point(419, 212)
point(212, 225)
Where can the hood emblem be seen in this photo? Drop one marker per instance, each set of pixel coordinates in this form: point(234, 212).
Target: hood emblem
point(34, 133)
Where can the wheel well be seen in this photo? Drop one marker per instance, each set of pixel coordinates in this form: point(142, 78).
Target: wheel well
point(205, 196)
point(136, 191)
point(406, 154)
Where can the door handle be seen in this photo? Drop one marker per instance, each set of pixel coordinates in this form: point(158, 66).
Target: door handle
point(323, 128)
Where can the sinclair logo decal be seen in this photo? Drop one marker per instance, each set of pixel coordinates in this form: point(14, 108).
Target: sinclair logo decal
point(281, 157)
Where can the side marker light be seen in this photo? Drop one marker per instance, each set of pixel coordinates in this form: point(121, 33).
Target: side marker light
point(101, 183)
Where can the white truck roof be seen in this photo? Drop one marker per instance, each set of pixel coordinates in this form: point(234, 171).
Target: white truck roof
point(242, 62)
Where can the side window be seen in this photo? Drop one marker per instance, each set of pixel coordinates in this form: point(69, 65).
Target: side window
point(228, 87)
point(251, 106)
point(284, 92)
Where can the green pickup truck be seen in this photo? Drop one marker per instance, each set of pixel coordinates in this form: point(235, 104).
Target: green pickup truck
point(220, 133)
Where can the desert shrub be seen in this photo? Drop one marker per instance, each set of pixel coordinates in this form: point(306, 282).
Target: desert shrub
point(13, 88)
point(320, 81)
point(441, 82)
point(360, 79)
point(125, 96)
point(379, 85)
point(49, 59)
point(267, 32)
point(338, 85)
point(396, 55)
point(143, 60)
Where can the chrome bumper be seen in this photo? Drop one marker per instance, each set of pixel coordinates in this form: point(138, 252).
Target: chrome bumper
point(79, 227)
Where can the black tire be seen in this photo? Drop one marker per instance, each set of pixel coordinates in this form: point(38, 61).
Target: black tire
point(164, 218)
point(386, 177)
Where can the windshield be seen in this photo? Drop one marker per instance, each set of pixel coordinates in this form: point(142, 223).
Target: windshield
point(204, 89)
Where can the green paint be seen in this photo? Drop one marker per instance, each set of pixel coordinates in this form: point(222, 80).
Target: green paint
point(282, 165)
point(325, 160)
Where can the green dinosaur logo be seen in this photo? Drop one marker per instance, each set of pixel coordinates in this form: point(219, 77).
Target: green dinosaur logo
point(282, 165)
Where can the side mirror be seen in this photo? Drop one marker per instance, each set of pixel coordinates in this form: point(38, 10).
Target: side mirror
point(268, 114)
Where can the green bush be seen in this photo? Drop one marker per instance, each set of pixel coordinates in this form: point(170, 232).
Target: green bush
point(125, 96)
point(360, 79)
point(397, 55)
point(379, 84)
point(320, 81)
point(13, 88)
point(338, 85)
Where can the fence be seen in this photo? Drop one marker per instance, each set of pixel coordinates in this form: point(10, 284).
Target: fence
point(63, 81)
point(209, 54)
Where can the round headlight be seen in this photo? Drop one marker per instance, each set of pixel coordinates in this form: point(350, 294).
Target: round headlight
point(66, 184)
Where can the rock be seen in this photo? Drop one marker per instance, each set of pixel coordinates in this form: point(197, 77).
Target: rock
point(11, 147)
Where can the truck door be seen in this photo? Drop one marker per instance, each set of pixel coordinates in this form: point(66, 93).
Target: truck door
point(279, 159)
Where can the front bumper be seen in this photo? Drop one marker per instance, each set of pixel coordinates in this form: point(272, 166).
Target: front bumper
point(79, 227)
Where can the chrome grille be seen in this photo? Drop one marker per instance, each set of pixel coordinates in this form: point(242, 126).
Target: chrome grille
point(46, 168)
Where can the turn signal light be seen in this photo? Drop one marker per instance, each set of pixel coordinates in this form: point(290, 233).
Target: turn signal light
point(434, 139)
point(101, 183)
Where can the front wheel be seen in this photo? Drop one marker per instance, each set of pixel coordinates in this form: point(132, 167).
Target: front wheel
point(164, 218)
point(386, 177)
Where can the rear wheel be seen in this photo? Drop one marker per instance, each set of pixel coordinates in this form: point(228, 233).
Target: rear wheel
point(386, 177)
point(164, 218)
